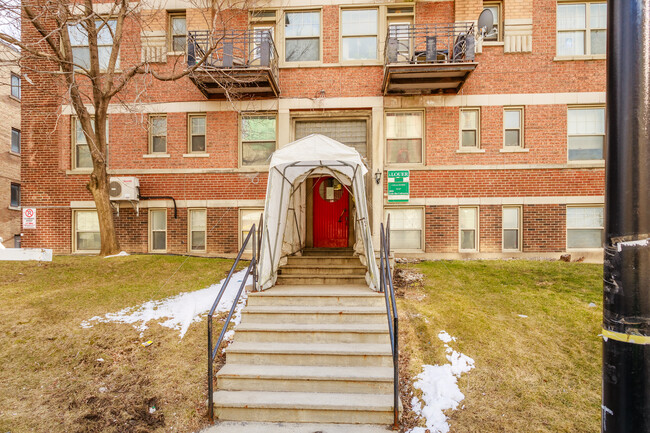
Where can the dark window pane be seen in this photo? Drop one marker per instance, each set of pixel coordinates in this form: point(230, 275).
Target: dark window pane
point(15, 195)
point(159, 144)
point(467, 240)
point(404, 151)
point(257, 153)
point(178, 43)
point(15, 86)
point(198, 143)
point(302, 50)
point(469, 139)
point(510, 239)
point(84, 159)
point(159, 241)
point(88, 241)
point(512, 137)
point(198, 240)
point(15, 141)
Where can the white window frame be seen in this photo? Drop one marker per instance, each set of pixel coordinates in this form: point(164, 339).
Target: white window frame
point(584, 107)
point(499, 20)
point(151, 136)
point(242, 141)
point(75, 231)
point(566, 226)
point(172, 16)
point(16, 90)
point(520, 220)
point(521, 144)
point(586, 30)
point(191, 116)
point(19, 190)
point(422, 229)
point(19, 135)
point(422, 114)
point(283, 56)
point(73, 125)
point(478, 129)
point(190, 230)
point(476, 229)
point(99, 22)
point(343, 36)
point(240, 227)
point(150, 230)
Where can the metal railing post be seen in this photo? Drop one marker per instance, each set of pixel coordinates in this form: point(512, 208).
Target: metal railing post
point(210, 362)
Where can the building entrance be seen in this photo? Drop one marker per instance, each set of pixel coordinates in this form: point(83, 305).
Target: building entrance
point(331, 214)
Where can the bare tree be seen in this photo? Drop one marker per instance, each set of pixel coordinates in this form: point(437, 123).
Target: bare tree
point(96, 75)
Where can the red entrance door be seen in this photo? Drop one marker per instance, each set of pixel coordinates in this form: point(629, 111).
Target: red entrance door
point(330, 214)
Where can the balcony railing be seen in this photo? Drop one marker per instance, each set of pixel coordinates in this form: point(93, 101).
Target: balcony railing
point(244, 61)
point(447, 48)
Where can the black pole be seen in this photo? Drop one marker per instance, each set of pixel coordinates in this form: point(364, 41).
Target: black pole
point(626, 304)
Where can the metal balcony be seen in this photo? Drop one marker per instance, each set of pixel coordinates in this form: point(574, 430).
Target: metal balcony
point(428, 59)
point(235, 63)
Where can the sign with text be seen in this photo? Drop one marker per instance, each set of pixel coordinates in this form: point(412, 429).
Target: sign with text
point(29, 218)
point(398, 186)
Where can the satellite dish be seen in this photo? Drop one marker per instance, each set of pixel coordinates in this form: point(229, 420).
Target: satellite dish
point(486, 22)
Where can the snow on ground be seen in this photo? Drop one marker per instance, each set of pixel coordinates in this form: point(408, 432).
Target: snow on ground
point(120, 254)
point(439, 387)
point(180, 311)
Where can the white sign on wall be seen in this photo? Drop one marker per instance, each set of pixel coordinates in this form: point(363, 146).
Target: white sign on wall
point(29, 218)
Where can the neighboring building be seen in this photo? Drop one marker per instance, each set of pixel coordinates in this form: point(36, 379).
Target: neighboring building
point(10, 147)
point(503, 137)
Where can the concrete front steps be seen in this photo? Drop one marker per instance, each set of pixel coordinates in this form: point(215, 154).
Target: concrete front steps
point(324, 266)
point(309, 354)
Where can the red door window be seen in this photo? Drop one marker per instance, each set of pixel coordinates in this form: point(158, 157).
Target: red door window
point(331, 215)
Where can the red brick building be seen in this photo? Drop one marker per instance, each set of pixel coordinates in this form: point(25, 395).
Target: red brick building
point(502, 135)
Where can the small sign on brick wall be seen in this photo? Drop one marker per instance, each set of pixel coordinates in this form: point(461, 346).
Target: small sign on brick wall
point(29, 218)
point(398, 186)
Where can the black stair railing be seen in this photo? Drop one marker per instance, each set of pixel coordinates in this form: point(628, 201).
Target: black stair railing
point(255, 237)
point(386, 286)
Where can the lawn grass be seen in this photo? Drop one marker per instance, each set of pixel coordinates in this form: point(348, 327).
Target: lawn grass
point(50, 376)
point(535, 374)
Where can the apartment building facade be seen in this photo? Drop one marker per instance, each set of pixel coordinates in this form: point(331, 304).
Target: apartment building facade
point(10, 147)
point(501, 135)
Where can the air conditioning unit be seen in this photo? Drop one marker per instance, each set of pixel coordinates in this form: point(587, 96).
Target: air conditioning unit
point(124, 188)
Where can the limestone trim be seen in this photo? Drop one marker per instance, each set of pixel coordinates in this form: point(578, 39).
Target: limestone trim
point(154, 46)
point(505, 201)
point(193, 204)
point(518, 36)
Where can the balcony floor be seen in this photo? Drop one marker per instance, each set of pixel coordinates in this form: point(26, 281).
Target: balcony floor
point(218, 83)
point(426, 78)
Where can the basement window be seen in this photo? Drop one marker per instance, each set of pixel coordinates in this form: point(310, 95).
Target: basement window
point(406, 228)
point(248, 217)
point(197, 225)
point(86, 231)
point(511, 223)
point(585, 227)
point(158, 230)
point(468, 226)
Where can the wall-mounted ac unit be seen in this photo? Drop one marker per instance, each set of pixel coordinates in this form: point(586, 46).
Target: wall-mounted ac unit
point(124, 188)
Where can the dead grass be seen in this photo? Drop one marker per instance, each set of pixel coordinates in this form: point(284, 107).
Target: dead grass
point(534, 374)
point(51, 379)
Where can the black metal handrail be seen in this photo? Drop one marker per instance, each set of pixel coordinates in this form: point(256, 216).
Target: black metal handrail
point(386, 286)
point(234, 49)
point(430, 43)
point(252, 268)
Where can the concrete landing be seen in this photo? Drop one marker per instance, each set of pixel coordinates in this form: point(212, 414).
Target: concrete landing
point(270, 427)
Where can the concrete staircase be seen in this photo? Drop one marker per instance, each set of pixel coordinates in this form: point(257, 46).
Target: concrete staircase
point(309, 353)
point(330, 266)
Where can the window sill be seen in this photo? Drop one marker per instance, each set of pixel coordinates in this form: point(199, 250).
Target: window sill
point(157, 155)
point(587, 163)
point(361, 63)
point(14, 98)
point(85, 252)
point(514, 150)
point(493, 43)
point(470, 151)
point(255, 168)
point(14, 208)
point(586, 250)
point(79, 171)
point(304, 64)
point(585, 57)
point(196, 155)
point(175, 53)
point(403, 166)
point(11, 152)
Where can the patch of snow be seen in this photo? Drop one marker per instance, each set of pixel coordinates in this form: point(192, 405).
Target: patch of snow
point(120, 254)
point(523, 316)
point(439, 386)
point(592, 305)
point(180, 311)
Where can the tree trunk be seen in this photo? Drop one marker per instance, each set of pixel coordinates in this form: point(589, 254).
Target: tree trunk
point(98, 187)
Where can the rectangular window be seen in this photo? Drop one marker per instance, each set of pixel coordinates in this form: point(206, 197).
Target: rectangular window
point(248, 217)
point(15, 85)
point(196, 125)
point(86, 226)
point(81, 151)
point(404, 138)
point(512, 127)
point(157, 134)
point(197, 224)
point(586, 133)
point(469, 128)
point(158, 230)
point(81, 50)
point(468, 225)
point(351, 132)
point(177, 33)
point(302, 36)
point(405, 228)
point(15, 140)
point(581, 28)
point(257, 139)
point(585, 227)
point(495, 8)
point(511, 224)
point(15, 195)
point(16, 241)
point(359, 34)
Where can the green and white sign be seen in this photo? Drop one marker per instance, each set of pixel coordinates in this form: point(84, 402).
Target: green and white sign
point(398, 186)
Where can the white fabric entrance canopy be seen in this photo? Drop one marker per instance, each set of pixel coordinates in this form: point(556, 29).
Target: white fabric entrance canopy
point(310, 156)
